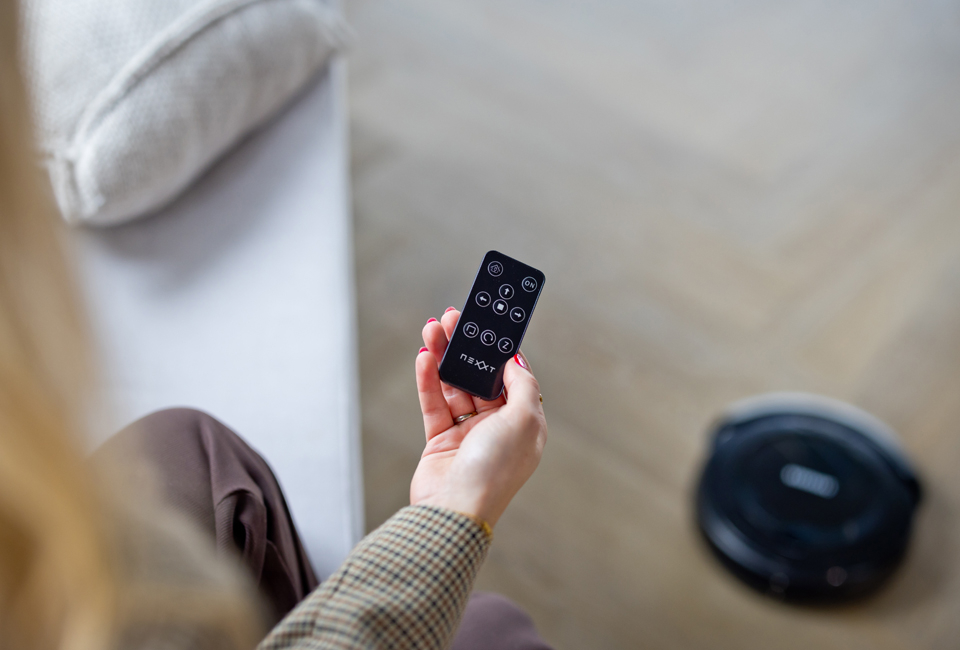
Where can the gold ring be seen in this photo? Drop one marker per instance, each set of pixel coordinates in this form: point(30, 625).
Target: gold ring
point(541, 399)
point(461, 418)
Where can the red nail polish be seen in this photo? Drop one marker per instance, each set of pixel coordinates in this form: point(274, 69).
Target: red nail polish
point(432, 320)
point(520, 361)
point(448, 309)
point(422, 350)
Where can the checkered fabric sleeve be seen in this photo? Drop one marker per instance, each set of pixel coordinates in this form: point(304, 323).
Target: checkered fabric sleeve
point(404, 586)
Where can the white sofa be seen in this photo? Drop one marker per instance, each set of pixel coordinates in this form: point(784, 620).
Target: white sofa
point(238, 299)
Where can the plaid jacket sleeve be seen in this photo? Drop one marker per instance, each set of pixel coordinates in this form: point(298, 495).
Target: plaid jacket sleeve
point(403, 587)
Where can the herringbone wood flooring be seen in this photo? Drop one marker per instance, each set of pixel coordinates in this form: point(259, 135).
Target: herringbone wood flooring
point(726, 198)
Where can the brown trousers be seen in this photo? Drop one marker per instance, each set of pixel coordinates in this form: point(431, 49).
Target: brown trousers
point(209, 473)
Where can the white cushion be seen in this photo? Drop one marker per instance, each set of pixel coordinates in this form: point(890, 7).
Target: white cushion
point(134, 100)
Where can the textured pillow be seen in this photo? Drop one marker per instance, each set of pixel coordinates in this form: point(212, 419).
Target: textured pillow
point(133, 100)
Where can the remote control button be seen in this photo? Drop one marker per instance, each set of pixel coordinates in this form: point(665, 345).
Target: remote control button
point(488, 337)
point(529, 284)
point(495, 269)
point(500, 307)
point(505, 345)
point(506, 292)
point(470, 330)
point(483, 299)
point(517, 315)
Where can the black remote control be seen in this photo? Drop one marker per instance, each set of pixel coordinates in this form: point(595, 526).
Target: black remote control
point(491, 326)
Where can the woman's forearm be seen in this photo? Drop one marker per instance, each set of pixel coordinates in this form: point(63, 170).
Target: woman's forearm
point(404, 586)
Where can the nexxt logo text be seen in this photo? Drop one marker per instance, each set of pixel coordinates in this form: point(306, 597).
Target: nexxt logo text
point(482, 365)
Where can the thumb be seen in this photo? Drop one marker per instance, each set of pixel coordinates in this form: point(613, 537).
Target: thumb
point(522, 388)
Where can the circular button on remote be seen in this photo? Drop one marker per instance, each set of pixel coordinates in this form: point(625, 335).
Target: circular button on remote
point(488, 337)
point(470, 330)
point(483, 299)
point(500, 307)
point(495, 268)
point(506, 292)
point(529, 284)
point(517, 315)
point(505, 345)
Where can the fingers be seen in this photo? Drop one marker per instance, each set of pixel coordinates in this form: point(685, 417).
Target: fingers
point(435, 338)
point(449, 322)
point(433, 404)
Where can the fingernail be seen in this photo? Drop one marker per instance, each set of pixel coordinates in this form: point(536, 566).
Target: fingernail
point(432, 320)
point(422, 350)
point(448, 309)
point(521, 361)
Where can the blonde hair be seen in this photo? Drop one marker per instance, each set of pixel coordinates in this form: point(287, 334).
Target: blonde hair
point(61, 585)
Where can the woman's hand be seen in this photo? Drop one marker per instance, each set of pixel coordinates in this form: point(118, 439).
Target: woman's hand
point(475, 467)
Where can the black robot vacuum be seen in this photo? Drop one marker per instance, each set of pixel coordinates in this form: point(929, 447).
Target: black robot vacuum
point(806, 498)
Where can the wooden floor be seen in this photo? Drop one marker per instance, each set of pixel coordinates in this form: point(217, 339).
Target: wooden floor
point(726, 198)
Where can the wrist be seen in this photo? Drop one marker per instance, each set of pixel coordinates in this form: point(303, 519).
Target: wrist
point(469, 505)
